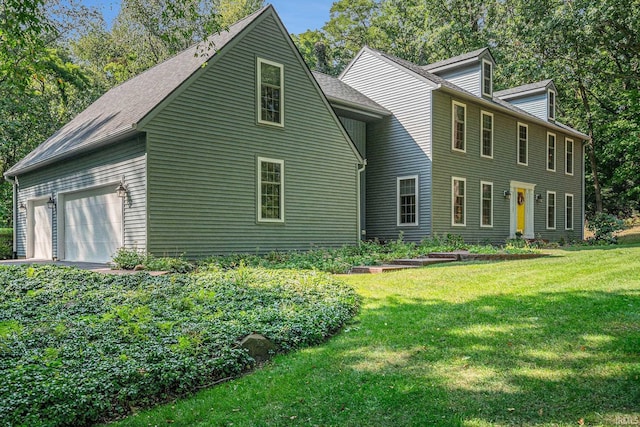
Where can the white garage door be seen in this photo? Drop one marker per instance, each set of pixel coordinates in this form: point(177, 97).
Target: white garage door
point(40, 238)
point(92, 225)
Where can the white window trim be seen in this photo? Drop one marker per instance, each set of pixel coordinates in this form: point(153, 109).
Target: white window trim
point(453, 126)
point(484, 61)
point(566, 205)
point(526, 144)
point(398, 216)
point(259, 192)
point(259, 92)
point(486, 113)
point(567, 142)
point(551, 112)
point(483, 183)
point(555, 151)
point(555, 210)
point(453, 202)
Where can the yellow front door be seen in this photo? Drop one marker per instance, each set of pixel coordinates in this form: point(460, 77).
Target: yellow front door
point(521, 210)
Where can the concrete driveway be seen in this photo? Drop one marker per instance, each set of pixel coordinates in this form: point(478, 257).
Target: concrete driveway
point(90, 266)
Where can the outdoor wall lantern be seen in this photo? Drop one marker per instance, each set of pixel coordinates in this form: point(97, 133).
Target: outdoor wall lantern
point(507, 194)
point(22, 207)
point(51, 203)
point(121, 190)
point(538, 198)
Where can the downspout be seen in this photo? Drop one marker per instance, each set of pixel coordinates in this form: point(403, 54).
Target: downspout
point(14, 215)
point(359, 205)
point(583, 187)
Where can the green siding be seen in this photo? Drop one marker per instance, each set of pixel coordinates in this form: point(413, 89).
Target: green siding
point(203, 149)
point(90, 170)
point(500, 170)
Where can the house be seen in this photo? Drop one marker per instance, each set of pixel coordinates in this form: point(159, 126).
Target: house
point(234, 151)
point(243, 149)
point(455, 157)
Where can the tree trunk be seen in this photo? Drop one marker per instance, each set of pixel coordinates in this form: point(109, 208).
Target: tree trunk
point(591, 151)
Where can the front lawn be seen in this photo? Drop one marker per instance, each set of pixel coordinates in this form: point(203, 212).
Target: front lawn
point(547, 342)
point(78, 347)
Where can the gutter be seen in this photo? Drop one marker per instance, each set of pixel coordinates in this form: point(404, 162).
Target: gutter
point(87, 146)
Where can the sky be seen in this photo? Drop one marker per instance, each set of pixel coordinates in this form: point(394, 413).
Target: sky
point(297, 15)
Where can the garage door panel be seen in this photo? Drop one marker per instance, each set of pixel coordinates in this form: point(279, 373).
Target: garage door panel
point(93, 225)
point(41, 231)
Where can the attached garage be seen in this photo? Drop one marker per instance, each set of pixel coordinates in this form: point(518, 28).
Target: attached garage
point(92, 225)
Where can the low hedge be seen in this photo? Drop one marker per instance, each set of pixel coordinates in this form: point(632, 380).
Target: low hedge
point(78, 347)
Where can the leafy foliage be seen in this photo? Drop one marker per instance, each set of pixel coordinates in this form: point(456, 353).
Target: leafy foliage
point(368, 253)
point(78, 347)
point(604, 226)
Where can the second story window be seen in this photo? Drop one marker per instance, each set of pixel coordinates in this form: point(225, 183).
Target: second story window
point(551, 152)
point(568, 143)
point(459, 126)
point(523, 144)
point(486, 122)
point(487, 78)
point(270, 91)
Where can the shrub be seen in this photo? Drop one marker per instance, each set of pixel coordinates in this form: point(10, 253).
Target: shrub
point(128, 259)
point(78, 347)
point(6, 243)
point(604, 226)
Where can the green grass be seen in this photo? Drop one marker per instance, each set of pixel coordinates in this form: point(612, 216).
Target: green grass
point(545, 342)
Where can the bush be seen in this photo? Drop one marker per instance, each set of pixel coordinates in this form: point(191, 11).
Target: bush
point(6, 243)
point(128, 259)
point(604, 226)
point(78, 347)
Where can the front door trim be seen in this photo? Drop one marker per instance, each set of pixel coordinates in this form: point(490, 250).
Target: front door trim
point(529, 198)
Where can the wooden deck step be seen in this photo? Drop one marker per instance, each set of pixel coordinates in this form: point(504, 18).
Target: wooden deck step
point(376, 269)
point(458, 255)
point(421, 262)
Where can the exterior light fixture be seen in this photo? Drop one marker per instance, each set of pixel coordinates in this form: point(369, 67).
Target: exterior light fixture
point(538, 198)
point(51, 203)
point(121, 190)
point(22, 207)
point(507, 194)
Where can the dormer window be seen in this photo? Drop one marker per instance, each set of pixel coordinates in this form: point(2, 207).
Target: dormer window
point(487, 78)
point(552, 105)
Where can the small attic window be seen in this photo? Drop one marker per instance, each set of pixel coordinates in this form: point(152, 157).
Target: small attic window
point(270, 101)
point(552, 105)
point(487, 78)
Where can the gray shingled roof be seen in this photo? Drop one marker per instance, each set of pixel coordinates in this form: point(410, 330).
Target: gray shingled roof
point(451, 61)
point(337, 90)
point(119, 110)
point(497, 102)
point(514, 91)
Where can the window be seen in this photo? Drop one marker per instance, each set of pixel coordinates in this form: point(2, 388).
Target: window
point(270, 190)
point(568, 213)
point(408, 200)
point(523, 144)
point(487, 78)
point(486, 204)
point(459, 126)
point(551, 152)
point(551, 210)
point(458, 201)
point(270, 92)
point(568, 149)
point(486, 124)
point(552, 105)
